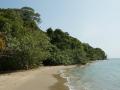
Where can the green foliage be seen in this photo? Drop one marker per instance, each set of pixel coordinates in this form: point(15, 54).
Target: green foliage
point(24, 46)
point(29, 15)
point(69, 50)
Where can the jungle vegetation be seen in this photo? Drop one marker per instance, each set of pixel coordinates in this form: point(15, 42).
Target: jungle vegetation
point(23, 45)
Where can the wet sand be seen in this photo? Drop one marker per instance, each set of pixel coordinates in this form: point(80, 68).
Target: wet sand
point(44, 78)
point(60, 85)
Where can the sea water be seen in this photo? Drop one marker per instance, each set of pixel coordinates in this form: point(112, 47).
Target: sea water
point(99, 75)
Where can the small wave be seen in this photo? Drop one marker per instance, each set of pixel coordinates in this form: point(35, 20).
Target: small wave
point(63, 75)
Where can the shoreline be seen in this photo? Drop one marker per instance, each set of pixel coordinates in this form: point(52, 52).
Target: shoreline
point(43, 78)
point(60, 84)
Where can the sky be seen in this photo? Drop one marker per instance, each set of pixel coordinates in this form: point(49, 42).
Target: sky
point(96, 22)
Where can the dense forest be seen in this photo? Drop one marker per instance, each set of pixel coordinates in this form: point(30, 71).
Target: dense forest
point(23, 45)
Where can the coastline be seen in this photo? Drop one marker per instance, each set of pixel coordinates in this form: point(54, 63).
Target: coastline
point(43, 78)
point(60, 84)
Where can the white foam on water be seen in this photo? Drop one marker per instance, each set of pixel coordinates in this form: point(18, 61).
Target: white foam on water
point(62, 74)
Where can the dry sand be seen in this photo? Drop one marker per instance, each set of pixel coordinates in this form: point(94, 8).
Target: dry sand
point(44, 78)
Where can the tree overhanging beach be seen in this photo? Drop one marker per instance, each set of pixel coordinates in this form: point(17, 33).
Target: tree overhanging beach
point(23, 45)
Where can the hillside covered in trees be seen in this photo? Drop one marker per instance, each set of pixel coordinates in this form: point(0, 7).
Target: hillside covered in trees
point(23, 45)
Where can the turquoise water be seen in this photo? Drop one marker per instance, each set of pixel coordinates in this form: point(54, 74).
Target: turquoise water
point(99, 75)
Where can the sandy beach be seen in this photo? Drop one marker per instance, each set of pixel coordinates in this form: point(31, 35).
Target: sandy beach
point(43, 78)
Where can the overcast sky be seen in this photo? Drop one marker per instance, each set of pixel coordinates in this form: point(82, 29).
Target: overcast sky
point(96, 22)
